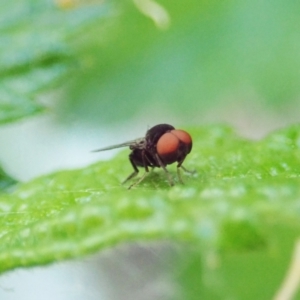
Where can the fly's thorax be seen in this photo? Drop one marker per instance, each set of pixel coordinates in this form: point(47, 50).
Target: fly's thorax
point(155, 133)
point(138, 144)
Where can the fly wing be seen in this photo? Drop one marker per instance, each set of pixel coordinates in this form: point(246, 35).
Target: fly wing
point(137, 143)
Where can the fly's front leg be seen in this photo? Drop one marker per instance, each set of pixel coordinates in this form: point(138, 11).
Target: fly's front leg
point(165, 169)
point(187, 171)
point(184, 169)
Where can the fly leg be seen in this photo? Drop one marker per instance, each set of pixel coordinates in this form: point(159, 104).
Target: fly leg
point(188, 171)
point(144, 160)
point(139, 181)
point(184, 169)
point(165, 169)
point(134, 173)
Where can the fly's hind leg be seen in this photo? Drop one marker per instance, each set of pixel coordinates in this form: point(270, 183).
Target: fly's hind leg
point(134, 173)
point(144, 161)
point(139, 180)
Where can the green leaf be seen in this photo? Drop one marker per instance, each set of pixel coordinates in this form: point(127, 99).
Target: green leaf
point(241, 189)
point(34, 53)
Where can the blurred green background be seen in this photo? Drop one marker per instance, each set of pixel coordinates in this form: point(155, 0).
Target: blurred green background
point(209, 61)
point(103, 64)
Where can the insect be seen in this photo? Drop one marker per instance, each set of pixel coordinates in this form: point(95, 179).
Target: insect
point(162, 146)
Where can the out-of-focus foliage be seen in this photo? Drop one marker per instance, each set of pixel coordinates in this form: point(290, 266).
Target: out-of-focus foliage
point(5, 181)
point(34, 53)
point(239, 275)
point(210, 53)
point(241, 192)
point(113, 58)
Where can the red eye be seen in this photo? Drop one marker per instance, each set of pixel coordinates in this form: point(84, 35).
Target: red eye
point(168, 143)
point(167, 147)
point(183, 136)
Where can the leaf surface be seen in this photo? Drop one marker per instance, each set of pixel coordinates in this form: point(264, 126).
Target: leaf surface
point(241, 189)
